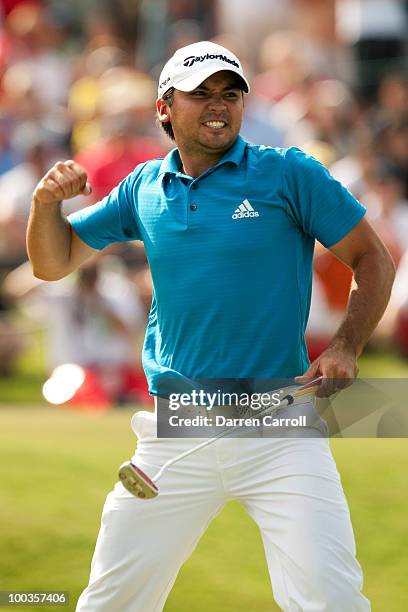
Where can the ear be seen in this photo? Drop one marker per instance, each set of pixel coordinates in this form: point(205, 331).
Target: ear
point(162, 111)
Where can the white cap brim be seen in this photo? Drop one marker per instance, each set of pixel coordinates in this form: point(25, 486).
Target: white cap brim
point(191, 82)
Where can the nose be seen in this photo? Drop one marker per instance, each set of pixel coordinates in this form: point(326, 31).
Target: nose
point(216, 103)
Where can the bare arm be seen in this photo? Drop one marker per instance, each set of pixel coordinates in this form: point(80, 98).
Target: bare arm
point(374, 273)
point(54, 249)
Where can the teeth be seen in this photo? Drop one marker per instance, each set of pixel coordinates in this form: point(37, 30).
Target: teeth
point(215, 124)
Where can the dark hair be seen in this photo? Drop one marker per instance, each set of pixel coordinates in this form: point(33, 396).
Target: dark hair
point(166, 125)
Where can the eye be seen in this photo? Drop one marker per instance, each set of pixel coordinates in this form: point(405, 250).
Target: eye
point(232, 95)
point(198, 93)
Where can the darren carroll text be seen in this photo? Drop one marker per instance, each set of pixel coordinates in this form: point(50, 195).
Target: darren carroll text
point(267, 420)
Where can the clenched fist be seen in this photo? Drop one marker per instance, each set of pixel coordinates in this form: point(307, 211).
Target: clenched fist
point(63, 181)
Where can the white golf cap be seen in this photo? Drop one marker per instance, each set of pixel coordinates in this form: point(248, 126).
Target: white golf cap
point(192, 65)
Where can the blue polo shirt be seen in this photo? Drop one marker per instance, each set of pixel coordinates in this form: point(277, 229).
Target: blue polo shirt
point(230, 254)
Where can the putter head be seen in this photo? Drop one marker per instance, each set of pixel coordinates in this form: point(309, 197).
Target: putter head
point(137, 482)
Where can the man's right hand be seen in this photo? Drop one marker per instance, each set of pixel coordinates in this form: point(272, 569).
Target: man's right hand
point(63, 181)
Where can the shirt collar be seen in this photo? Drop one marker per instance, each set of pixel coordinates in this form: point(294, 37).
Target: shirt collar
point(171, 164)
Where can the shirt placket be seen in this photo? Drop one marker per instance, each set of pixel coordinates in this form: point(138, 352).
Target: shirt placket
point(192, 200)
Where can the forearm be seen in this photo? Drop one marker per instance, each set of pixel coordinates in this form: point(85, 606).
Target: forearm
point(373, 276)
point(374, 273)
point(48, 240)
point(53, 248)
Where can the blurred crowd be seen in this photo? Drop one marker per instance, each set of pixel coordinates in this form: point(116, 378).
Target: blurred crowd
point(78, 80)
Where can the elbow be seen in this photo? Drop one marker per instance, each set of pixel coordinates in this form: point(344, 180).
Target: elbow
point(384, 268)
point(45, 272)
point(47, 275)
point(389, 265)
point(379, 264)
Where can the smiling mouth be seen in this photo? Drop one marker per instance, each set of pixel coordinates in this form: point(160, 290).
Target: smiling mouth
point(215, 125)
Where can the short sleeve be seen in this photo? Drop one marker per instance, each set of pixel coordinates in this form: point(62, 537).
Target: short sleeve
point(113, 219)
point(320, 204)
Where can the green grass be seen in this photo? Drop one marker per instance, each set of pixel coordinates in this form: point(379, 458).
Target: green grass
point(382, 365)
point(56, 467)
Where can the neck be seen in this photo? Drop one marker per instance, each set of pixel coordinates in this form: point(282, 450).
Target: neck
point(195, 165)
point(197, 160)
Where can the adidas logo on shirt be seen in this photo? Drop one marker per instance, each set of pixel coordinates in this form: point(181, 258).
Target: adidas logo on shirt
point(244, 211)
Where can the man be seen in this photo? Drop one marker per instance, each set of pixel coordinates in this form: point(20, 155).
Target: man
point(229, 230)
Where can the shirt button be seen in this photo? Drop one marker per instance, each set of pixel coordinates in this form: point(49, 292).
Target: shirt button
point(193, 206)
point(194, 186)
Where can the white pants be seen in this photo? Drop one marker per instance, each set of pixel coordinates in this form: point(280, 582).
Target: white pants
point(290, 487)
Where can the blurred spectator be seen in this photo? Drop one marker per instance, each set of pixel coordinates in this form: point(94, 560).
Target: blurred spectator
point(260, 125)
point(377, 31)
point(284, 66)
point(84, 94)
point(125, 104)
point(392, 142)
point(327, 116)
point(356, 170)
point(153, 40)
point(166, 25)
point(11, 338)
point(36, 64)
point(125, 16)
point(315, 20)
point(75, 14)
point(92, 320)
point(16, 187)
point(8, 155)
point(251, 21)
point(392, 100)
point(199, 12)
point(387, 209)
point(304, 104)
point(278, 92)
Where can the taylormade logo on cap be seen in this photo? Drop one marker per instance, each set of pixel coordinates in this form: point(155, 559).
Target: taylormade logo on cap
point(189, 61)
point(192, 65)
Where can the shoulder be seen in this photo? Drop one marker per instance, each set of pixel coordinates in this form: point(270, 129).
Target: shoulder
point(264, 156)
point(144, 173)
point(282, 165)
point(147, 169)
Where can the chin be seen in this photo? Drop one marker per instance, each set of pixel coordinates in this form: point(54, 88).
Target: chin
point(221, 142)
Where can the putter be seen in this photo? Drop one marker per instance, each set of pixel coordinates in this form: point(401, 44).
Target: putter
point(137, 482)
